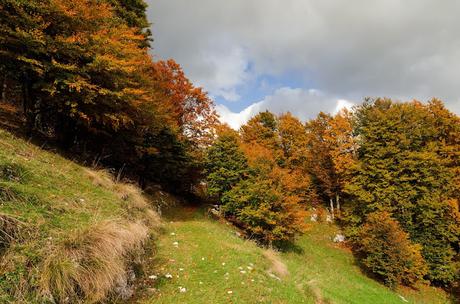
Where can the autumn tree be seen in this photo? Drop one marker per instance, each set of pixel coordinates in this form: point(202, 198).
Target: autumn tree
point(403, 169)
point(262, 129)
point(292, 141)
point(331, 154)
point(271, 203)
point(89, 82)
point(189, 107)
point(386, 251)
point(134, 13)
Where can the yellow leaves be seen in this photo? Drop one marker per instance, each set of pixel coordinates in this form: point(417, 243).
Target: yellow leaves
point(85, 9)
point(37, 66)
point(63, 66)
point(78, 84)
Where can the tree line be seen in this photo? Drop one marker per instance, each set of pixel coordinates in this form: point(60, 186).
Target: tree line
point(82, 73)
point(388, 172)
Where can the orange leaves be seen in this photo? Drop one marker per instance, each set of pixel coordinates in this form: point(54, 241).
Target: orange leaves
point(85, 9)
point(387, 251)
point(189, 106)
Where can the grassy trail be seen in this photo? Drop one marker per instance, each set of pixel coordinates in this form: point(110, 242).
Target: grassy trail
point(200, 260)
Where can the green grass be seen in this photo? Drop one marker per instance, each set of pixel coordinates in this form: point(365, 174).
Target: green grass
point(319, 271)
point(51, 199)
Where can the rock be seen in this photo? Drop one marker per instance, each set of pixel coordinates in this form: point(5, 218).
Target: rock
point(182, 289)
point(339, 238)
point(403, 298)
point(314, 217)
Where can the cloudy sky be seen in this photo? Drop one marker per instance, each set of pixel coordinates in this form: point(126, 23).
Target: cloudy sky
point(306, 56)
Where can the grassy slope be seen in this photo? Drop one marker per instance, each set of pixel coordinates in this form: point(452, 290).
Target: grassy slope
point(319, 272)
point(53, 198)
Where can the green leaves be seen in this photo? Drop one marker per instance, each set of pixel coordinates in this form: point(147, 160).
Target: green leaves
point(225, 164)
point(402, 171)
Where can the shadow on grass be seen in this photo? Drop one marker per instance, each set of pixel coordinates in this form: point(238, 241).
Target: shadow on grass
point(289, 247)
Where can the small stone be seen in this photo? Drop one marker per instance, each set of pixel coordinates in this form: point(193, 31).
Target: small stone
point(168, 276)
point(229, 292)
point(314, 217)
point(153, 277)
point(339, 238)
point(182, 289)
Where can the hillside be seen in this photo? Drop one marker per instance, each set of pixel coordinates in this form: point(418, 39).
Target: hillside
point(66, 232)
point(212, 264)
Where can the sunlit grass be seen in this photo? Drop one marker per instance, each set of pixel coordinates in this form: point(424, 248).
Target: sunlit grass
point(207, 257)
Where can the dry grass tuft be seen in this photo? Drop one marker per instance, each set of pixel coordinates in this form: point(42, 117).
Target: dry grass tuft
point(131, 194)
point(278, 267)
point(10, 230)
point(137, 203)
point(90, 264)
point(100, 178)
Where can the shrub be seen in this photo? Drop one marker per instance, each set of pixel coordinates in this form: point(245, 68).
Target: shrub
point(386, 251)
point(264, 211)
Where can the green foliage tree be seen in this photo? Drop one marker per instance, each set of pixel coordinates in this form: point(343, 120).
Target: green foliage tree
point(265, 208)
point(402, 170)
point(225, 164)
point(386, 251)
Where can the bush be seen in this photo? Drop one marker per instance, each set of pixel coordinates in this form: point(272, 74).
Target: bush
point(266, 212)
point(386, 251)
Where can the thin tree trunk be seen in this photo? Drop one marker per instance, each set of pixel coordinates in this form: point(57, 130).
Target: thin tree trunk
point(337, 201)
point(332, 207)
point(3, 88)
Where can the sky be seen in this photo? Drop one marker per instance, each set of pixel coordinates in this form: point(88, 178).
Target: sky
point(307, 56)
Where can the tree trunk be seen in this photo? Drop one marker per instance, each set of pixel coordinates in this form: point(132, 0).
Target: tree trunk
point(28, 105)
point(337, 201)
point(332, 207)
point(3, 88)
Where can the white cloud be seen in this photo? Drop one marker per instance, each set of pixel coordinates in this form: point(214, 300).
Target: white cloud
point(227, 70)
point(304, 104)
point(401, 49)
point(343, 104)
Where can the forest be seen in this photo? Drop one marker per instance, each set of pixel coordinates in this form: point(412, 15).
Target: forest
point(82, 78)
